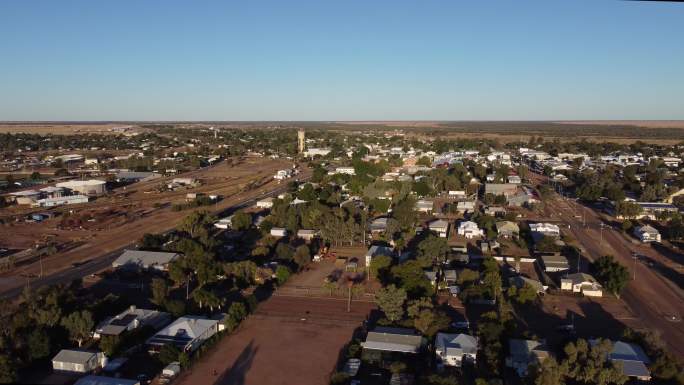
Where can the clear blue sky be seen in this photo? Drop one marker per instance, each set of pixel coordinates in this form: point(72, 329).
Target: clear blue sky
point(341, 60)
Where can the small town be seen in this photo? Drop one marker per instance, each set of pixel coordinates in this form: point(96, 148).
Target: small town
point(155, 255)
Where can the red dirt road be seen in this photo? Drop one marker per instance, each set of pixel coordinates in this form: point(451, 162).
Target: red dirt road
point(288, 340)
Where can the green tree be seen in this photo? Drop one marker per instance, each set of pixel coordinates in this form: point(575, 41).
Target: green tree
point(526, 293)
point(612, 275)
point(241, 221)
point(429, 322)
point(168, 353)
point(379, 266)
point(38, 344)
point(432, 249)
point(587, 364)
point(548, 373)
point(236, 313)
point(8, 372)
point(302, 256)
point(160, 289)
point(628, 210)
point(79, 325)
point(109, 344)
point(391, 300)
point(282, 274)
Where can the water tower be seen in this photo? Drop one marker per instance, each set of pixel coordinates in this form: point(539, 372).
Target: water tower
point(301, 140)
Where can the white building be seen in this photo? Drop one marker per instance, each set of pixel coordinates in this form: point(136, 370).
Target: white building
point(77, 361)
point(647, 233)
point(345, 170)
point(454, 349)
point(63, 200)
point(547, 229)
point(186, 333)
point(469, 230)
point(278, 232)
point(312, 152)
point(582, 283)
point(424, 206)
point(283, 174)
point(440, 226)
point(129, 319)
point(265, 203)
point(86, 187)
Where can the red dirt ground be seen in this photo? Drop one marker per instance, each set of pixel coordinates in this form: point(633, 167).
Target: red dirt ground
point(288, 340)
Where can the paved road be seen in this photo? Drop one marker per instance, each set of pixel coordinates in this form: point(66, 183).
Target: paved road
point(102, 262)
point(652, 297)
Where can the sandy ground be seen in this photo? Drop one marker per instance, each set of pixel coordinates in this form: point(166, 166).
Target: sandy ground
point(62, 128)
point(290, 339)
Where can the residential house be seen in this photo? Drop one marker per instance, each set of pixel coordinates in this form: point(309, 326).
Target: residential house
point(129, 319)
point(387, 340)
point(187, 333)
point(450, 276)
point(514, 179)
point(378, 225)
point(647, 233)
point(631, 358)
point(524, 353)
point(307, 235)
point(278, 232)
point(454, 349)
point(507, 229)
point(554, 263)
point(495, 211)
point(424, 206)
point(140, 259)
point(377, 250)
point(519, 281)
point(505, 189)
point(582, 283)
point(440, 226)
point(465, 206)
point(545, 229)
point(469, 230)
point(77, 361)
point(265, 203)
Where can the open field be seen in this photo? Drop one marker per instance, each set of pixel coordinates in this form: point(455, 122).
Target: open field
point(62, 128)
point(289, 337)
point(138, 213)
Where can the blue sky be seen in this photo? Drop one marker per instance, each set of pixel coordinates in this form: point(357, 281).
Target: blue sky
point(341, 60)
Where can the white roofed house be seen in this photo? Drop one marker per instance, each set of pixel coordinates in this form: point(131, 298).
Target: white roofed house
point(384, 340)
point(647, 233)
point(307, 235)
point(440, 226)
point(140, 259)
point(546, 229)
point(187, 333)
point(265, 203)
point(424, 206)
point(278, 232)
point(582, 283)
point(454, 349)
point(469, 230)
point(77, 361)
point(378, 225)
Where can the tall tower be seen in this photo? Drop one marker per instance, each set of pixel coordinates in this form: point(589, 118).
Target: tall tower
point(301, 140)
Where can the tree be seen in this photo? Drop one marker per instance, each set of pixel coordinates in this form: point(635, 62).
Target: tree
point(206, 298)
point(302, 256)
point(391, 301)
point(628, 210)
point(432, 249)
point(160, 290)
point(548, 373)
point(379, 266)
point(429, 322)
point(197, 224)
point(284, 251)
point(110, 344)
point(410, 276)
point(522, 295)
point(611, 273)
point(8, 372)
point(589, 364)
point(282, 274)
point(236, 313)
point(79, 325)
point(168, 353)
point(241, 221)
point(38, 344)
